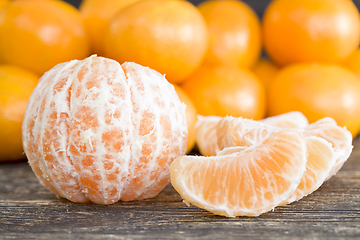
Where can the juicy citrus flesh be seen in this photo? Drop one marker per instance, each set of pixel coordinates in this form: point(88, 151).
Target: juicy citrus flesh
point(16, 86)
point(318, 91)
point(225, 90)
point(168, 36)
point(247, 182)
point(328, 147)
point(234, 33)
point(339, 137)
point(206, 135)
point(320, 161)
point(310, 30)
point(95, 130)
point(38, 34)
point(233, 132)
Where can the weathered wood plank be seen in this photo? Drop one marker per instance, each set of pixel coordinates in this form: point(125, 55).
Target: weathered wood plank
point(29, 211)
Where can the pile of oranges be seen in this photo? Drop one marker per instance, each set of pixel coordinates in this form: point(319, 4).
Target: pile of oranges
point(212, 52)
point(212, 55)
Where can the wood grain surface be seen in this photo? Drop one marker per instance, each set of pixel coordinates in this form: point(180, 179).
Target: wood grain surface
point(29, 211)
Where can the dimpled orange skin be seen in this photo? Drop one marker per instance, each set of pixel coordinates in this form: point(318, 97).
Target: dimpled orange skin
point(95, 130)
point(234, 33)
point(38, 34)
point(318, 91)
point(225, 90)
point(97, 15)
point(16, 86)
point(311, 30)
point(168, 36)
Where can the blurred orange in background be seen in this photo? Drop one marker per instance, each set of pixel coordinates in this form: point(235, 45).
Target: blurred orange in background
point(3, 3)
point(225, 90)
point(265, 70)
point(97, 15)
point(39, 34)
point(311, 30)
point(168, 36)
point(16, 86)
point(234, 33)
point(318, 91)
point(191, 116)
point(353, 62)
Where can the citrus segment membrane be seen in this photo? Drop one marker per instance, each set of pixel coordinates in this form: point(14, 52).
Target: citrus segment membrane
point(205, 134)
point(320, 161)
point(247, 182)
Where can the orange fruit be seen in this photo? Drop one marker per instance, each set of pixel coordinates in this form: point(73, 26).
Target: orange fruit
point(97, 15)
point(40, 34)
point(265, 70)
point(311, 30)
point(318, 91)
point(168, 36)
point(16, 86)
point(353, 62)
point(3, 3)
point(95, 130)
point(234, 33)
point(191, 116)
point(243, 181)
point(225, 90)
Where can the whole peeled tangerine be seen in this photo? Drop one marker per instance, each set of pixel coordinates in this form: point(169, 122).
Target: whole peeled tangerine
point(98, 131)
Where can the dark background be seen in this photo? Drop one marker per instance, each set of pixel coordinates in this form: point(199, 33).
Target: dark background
point(258, 5)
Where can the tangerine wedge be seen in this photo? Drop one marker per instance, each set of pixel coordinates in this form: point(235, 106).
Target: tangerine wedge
point(329, 146)
point(206, 136)
point(339, 137)
point(246, 182)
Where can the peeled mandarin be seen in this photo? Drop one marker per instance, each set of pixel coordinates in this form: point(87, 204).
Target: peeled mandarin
point(98, 131)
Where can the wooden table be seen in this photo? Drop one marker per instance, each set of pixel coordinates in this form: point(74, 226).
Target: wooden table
point(29, 211)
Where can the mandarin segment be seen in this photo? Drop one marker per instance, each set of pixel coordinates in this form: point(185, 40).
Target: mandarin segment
point(93, 131)
point(328, 147)
point(247, 182)
point(339, 137)
point(205, 134)
point(320, 161)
